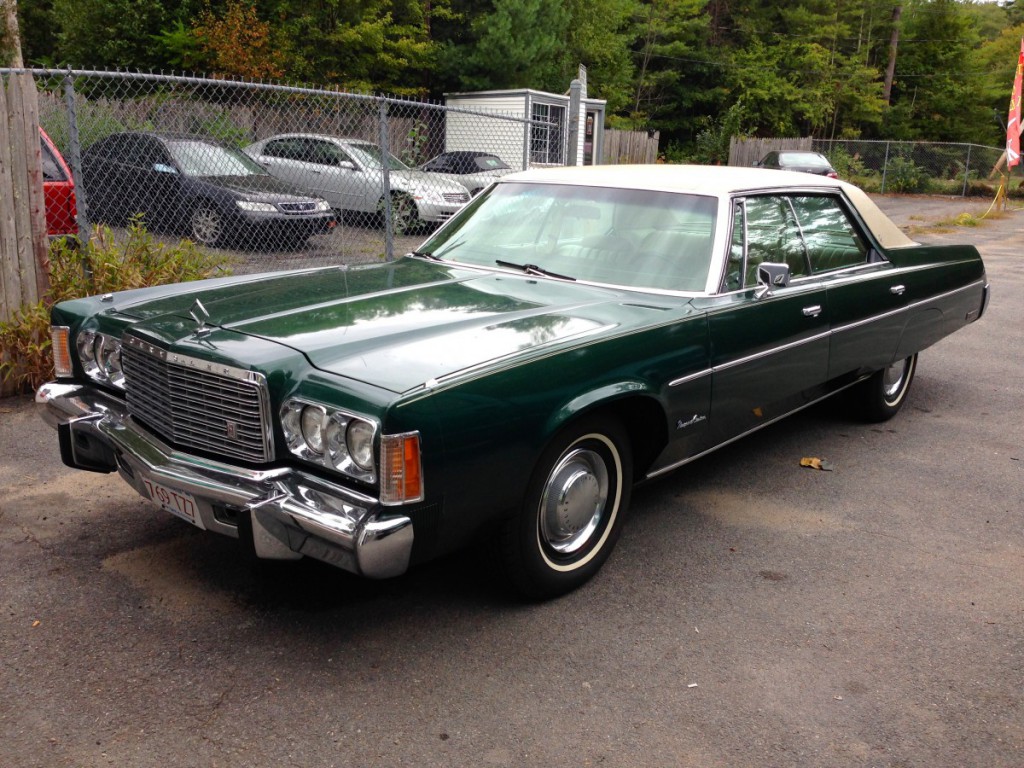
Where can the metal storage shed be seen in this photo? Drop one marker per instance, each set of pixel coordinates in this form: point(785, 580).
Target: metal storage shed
point(551, 137)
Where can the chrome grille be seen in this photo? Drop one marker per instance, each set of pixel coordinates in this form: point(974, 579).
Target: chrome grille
point(193, 403)
point(304, 207)
point(456, 197)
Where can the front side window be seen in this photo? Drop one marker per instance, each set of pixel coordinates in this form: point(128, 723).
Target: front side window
point(773, 235)
point(52, 170)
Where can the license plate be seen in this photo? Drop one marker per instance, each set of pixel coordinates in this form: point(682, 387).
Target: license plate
point(176, 502)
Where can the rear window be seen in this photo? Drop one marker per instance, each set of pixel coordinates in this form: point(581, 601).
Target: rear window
point(806, 159)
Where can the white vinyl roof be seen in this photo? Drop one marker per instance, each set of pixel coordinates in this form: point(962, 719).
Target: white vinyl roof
point(717, 180)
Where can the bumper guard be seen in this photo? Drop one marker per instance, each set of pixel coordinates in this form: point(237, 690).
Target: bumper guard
point(292, 513)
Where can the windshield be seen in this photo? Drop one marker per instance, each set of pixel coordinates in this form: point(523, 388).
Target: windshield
point(197, 158)
point(627, 237)
point(370, 156)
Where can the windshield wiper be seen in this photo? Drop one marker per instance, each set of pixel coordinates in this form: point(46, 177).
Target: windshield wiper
point(426, 255)
point(532, 269)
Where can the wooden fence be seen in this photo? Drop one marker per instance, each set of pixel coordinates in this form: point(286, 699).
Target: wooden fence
point(621, 147)
point(23, 241)
point(746, 152)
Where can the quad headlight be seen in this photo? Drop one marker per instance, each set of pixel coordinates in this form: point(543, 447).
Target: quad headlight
point(100, 356)
point(331, 437)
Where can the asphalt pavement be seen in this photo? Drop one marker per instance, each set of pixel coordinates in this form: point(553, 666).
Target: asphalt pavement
point(755, 613)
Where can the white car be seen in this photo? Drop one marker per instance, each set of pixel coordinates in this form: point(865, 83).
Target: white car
point(473, 170)
point(348, 173)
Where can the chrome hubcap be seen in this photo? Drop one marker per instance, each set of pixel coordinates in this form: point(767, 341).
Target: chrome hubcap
point(574, 501)
point(205, 225)
point(892, 379)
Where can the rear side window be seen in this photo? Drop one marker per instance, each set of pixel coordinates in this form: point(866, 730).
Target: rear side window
point(831, 239)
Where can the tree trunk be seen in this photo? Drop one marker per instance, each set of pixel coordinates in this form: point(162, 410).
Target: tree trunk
point(894, 41)
point(11, 42)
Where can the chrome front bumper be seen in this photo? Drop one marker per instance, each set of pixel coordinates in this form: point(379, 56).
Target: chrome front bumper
point(290, 513)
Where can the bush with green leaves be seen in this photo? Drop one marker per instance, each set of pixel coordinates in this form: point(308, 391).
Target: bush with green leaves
point(106, 263)
point(903, 175)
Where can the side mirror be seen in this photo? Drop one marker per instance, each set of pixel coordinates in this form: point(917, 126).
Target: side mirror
point(771, 275)
point(347, 165)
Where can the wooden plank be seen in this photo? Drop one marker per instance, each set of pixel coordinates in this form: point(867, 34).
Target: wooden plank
point(23, 251)
point(34, 175)
point(10, 282)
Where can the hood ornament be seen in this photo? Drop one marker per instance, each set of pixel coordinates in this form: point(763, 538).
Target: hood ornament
point(200, 315)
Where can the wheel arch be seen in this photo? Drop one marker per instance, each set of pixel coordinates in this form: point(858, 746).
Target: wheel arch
point(641, 414)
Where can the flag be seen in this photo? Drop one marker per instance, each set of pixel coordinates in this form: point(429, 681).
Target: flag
point(1013, 121)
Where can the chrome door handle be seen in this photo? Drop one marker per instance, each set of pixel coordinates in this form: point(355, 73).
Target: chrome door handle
point(812, 311)
point(897, 290)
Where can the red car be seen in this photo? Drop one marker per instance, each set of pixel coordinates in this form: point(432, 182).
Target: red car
point(59, 190)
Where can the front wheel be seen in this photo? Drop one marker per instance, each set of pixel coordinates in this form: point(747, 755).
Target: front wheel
point(573, 511)
point(881, 396)
point(206, 224)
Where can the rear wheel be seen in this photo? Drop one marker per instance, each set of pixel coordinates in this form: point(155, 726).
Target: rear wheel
point(573, 512)
point(881, 396)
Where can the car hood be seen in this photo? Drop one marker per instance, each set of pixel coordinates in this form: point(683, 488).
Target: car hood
point(409, 324)
point(257, 187)
point(412, 178)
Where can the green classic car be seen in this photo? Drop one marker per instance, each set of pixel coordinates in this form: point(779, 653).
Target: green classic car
point(567, 334)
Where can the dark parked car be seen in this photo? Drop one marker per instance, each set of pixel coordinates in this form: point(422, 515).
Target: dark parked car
point(798, 160)
point(58, 190)
point(214, 194)
point(568, 333)
point(473, 170)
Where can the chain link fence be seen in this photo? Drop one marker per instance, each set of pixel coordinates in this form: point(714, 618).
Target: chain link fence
point(276, 176)
point(900, 167)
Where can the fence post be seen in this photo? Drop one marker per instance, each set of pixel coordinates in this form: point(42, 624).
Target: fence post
point(385, 144)
point(75, 158)
point(885, 166)
point(575, 94)
point(967, 171)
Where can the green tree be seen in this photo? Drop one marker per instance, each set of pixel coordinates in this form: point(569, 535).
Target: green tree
point(936, 94)
point(516, 45)
point(109, 33)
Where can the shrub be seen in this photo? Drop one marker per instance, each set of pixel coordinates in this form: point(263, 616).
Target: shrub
point(106, 263)
point(903, 176)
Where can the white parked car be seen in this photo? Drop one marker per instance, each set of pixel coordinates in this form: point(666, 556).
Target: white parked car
point(473, 170)
point(348, 173)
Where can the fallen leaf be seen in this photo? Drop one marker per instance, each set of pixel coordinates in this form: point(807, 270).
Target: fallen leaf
point(816, 463)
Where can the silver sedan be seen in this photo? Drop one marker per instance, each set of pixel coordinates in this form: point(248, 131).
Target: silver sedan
point(348, 173)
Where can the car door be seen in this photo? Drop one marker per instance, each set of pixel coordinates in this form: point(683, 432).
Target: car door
point(866, 295)
point(287, 158)
point(337, 177)
point(769, 344)
point(158, 182)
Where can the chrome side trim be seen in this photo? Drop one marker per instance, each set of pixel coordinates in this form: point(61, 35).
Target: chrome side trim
point(907, 307)
point(712, 449)
point(767, 352)
point(690, 377)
